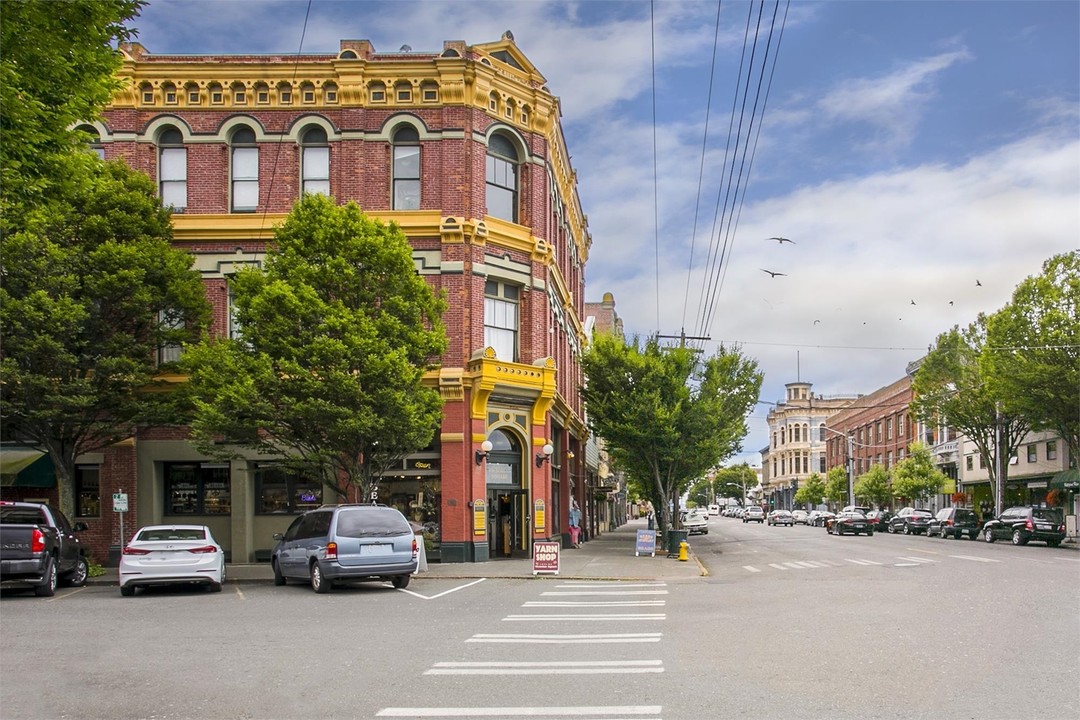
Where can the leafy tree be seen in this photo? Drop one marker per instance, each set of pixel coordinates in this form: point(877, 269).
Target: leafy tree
point(812, 491)
point(916, 477)
point(836, 485)
point(666, 415)
point(91, 290)
point(873, 486)
point(334, 338)
point(57, 67)
point(1033, 359)
point(735, 482)
point(950, 385)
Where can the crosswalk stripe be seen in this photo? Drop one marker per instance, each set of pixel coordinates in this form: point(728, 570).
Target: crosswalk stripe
point(777, 566)
point(751, 568)
point(566, 639)
point(619, 711)
point(794, 566)
point(861, 562)
point(618, 616)
point(613, 603)
point(557, 667)
point(608, 592)
point(915, 559)
point(972, 557)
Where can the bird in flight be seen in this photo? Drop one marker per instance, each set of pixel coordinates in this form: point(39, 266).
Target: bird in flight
point(771, 273)
point(782, 240)
point(912, 302)
point(978, 284)
point(950, 302)
point(816, 322)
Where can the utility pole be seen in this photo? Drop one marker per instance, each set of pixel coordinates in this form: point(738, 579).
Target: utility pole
point(682, 337)
point(851, 469)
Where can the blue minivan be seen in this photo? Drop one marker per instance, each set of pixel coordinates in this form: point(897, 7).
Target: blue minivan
point(337, 544)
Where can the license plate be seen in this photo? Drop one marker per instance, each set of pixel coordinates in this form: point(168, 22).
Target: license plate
point(376, 549)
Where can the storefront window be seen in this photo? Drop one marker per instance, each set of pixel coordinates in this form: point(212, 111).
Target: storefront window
point(87, 492)
point(279, 490)
point(197, 489)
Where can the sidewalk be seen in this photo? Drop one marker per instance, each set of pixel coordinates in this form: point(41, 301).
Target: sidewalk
point(609, 556)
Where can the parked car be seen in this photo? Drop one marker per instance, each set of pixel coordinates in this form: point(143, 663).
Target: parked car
point(861, 509)
point(798, 517)
point(1025, 523)
point(346, 543)
point(779, 517)
point(817, 518)
point(753, 513)
point(848, 522)
point(714, 510)
point(879, 519)
point(955, 522)
point(171, 555)
point(696, 522)
point(910, 521)
point(39, 548)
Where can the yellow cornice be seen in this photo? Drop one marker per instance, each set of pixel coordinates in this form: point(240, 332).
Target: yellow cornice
point(485, 373)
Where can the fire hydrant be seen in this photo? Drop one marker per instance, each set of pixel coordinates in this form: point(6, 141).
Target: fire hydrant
point(683, 545)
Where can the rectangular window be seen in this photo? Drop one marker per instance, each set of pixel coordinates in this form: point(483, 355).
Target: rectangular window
point(982, 464)
point(286, 97)
point(316, 168)
point(193, 97)
point(169, 352)
point(501, 188)
point(331, 96)
point(87, 491)
point(1051, 450)
point(263, 97)
point(888, 429)
point(278, 490)
point(501, 319)
point(170, 97)
point(1032, 453)
point(216, 97)
point(404, 95)
point(900, 423)
point(821, 466)
point(239, 97)
point(148, 97)
point(172, 174)
point(378, 95)
point(245, 177)
point(431, 95)
point(406, 177)
point(197, 489)
point(309, 96)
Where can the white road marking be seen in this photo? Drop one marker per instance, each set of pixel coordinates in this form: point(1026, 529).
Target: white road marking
point(555, 667)
point(618, 616)
point(862, 562)
point(778, 566)
point(751, 568)
point(546, 712)
point(807, 564)
point(972, 557)
point(916, 559)
point(567, 639)
point(613, 603)
point(445, 592)
point(794, 566)
point(608, 592)
point(610, 583)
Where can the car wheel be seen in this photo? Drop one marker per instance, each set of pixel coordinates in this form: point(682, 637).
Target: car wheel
point(1018, 538)
point(839, 531)
point(318, 582)
point(47, 588)
point(279, 579)
point(401, 581)
point(127, 590)
point(869, 533)
point(892, 530)
point(1053, 543)
point(907, 529)
point(988, 535)
point(215, 587)
point(77, 577)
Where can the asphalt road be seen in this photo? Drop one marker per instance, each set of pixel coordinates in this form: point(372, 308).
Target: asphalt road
point(789, 623)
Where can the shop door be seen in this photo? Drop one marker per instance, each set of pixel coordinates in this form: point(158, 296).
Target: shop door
point(509, 520)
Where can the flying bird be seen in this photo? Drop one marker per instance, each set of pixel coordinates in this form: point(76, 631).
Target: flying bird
point(950, 302)
point(782, 240)
point(978, 284)
point(771, 273)
point(912, 302)
point(816, 322)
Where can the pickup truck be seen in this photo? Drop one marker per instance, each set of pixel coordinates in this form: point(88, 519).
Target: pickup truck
point(39, 549)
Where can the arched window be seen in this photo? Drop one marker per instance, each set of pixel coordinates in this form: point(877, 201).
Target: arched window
point(191, 90)
point(217, 96)
point(168, 90)
point(146, 92)
point(239, 94)
point(245, 170)
point(502, 178)
point(172, 168)
point(315, 161)
point(93, 140)
point(307, 93)
point(284, 93)
point(377, 92)
point(262, 93)
point(330, 93)
point(406, 171)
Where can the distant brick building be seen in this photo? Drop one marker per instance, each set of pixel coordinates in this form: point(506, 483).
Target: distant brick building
point(463, 149)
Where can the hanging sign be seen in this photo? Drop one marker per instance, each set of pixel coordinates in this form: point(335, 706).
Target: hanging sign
point(479, 515)
point(545, 557)
point(539, 515)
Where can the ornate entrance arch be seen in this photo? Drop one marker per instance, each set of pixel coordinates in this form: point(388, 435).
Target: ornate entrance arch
point(507, 496)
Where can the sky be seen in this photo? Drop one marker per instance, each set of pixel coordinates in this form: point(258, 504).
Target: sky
point(922, 157)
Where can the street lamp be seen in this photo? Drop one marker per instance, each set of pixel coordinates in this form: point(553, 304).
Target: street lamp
point(544, 455)
point(485, 448)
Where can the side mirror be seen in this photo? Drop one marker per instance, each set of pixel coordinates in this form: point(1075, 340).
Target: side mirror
point(279, 536)
point(80, 526)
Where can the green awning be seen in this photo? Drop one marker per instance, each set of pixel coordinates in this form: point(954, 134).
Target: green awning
point(26, 467)
point(1066, 480)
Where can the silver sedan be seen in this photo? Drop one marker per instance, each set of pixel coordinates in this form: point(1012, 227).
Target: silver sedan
point(172, 554)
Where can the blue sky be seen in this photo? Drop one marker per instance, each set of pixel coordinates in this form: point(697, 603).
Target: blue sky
point(909, 149)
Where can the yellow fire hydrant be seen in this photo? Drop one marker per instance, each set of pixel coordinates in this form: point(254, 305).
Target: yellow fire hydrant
point(683, 545)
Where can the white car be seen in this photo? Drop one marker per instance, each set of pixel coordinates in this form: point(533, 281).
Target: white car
point(171, 554)
point(714, 510)
point(696, 522)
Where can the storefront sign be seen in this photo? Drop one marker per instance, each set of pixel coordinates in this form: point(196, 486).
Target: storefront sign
point(539, 515)
point(545, 557)
point(479, 514)
point(646, 543)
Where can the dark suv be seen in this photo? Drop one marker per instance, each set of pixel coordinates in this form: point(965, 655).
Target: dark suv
point(1024, 523)
point(346, 543)
point(955, 522)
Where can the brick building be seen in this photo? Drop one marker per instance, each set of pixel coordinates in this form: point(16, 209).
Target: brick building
point(461, 147)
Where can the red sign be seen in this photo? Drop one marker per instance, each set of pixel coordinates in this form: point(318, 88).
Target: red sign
point(545, 557)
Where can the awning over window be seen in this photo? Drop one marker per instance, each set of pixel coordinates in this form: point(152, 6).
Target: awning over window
point(26, 467)
point(1066, 480)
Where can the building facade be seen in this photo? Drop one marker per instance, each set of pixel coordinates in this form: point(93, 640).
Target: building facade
point(463, 149)
point(798, 439)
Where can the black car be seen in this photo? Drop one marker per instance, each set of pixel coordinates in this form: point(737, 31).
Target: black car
point(848, 521)
point(1024, 523)
point(955, 522)
point(879, 519)
point(910, 521)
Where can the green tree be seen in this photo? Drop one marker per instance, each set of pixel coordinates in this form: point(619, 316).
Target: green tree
point(666, 415)
point(335, 336)
point(57, 67)
point(811, 492)
point(1033, 360)
point(873, 486)
point(916, 477)
point(735, 482)
point(836, 486)
point(91, 290)
point(950, 386)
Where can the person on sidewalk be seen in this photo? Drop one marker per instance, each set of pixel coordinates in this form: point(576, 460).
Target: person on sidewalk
point(575, 524)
